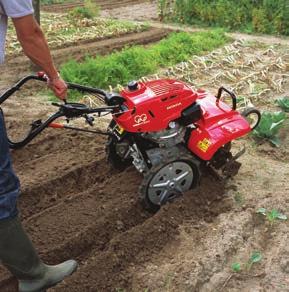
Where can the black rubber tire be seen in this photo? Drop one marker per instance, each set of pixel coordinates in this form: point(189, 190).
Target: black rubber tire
point(246, 112)
point(113, 158)
point(184, 156)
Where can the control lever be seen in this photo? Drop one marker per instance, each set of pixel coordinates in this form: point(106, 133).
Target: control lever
point(89, 119)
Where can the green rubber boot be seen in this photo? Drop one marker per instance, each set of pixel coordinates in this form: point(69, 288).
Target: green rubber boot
point(18, 255)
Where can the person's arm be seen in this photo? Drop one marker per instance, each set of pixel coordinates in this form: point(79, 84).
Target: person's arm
point(35, 47)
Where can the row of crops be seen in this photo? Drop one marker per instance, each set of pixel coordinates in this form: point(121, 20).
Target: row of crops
point(63, 30)
point(137, 61)
point(262, 16)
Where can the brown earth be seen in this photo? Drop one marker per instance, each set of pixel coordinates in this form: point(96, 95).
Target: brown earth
point(143, 11)
point(103, 4)
point(74, 206)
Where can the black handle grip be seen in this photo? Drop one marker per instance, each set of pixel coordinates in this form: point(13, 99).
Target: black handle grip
point(231, 93)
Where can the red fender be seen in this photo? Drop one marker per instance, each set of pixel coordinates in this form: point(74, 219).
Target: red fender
point(218, 126)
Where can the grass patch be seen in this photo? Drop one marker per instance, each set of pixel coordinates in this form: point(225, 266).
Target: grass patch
point(260, 16)
point(135, 62)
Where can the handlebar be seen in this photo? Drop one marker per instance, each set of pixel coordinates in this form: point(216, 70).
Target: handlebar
point(231, 93)
point(67, 110)
point(18, 85)
point(41, 77)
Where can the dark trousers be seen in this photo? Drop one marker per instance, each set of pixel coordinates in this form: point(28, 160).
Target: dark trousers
point(9, 183)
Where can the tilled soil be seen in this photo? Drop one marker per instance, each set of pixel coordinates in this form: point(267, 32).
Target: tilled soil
point(142, 11)
point(103, 4)
point(74, 205)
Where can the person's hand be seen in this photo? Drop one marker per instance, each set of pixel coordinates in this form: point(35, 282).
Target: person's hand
point(58, 86)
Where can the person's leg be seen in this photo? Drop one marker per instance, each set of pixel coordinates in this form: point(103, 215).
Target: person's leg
point(9, 183)
point(17, 253)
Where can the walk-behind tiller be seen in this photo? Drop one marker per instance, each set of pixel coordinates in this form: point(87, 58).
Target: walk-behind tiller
point(168, 131)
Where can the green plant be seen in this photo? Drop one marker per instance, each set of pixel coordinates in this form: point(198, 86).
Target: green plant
point(269, 127)
point(236, 267)
point(135, 62)
point(272, 215)
point(89, 10)
point(266, 16)
point(260, 20)
point(255, 257)
point(284, 103)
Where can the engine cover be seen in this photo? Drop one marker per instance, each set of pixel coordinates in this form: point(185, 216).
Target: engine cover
point(167, 138)
point(154, 104)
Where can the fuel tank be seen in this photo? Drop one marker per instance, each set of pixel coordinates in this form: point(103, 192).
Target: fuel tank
point(152, 105)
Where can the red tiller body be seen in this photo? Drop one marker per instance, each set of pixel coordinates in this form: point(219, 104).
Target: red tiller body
point(154, 104)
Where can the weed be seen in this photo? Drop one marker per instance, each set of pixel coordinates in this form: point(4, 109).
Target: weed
point(269, 127)
point(89, 10)
point(272, 215)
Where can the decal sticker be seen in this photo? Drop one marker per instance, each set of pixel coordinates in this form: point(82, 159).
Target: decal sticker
point(141, 120)
point(204, 145)
point(174, 105)
point(119, 129)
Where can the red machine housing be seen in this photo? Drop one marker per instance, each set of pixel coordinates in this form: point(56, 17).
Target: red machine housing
point(154, 104)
